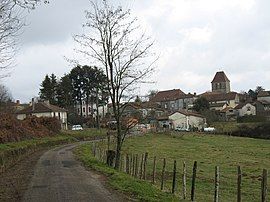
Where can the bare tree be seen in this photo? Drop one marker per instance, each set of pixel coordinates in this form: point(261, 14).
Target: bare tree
point(5, 99)
point(114, 40)
point(11, 23)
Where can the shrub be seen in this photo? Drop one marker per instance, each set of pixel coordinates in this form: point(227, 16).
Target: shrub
point(250, 119)
point(261, 131)
point(12, 129)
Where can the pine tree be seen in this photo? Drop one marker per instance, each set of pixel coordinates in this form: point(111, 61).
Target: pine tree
point(48, 90)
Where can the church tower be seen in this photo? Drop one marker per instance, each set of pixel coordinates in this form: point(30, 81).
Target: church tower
point(221, 83)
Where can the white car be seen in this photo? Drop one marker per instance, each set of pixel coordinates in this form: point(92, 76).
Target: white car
point(178, 128)
point(76, 127)
point(209, 129)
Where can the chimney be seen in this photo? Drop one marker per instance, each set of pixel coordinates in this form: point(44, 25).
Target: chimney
point(195, 93)
point(47, 102)
point(17, 102)
point(33, 104)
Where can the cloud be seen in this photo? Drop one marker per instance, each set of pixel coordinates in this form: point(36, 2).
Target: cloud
point(194, 38)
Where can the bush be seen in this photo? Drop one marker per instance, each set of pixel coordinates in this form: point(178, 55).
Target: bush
point(250, 119)
point(261, 131)
point(12, 129)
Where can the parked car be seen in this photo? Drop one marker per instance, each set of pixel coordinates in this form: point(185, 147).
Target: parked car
point(209, 129)
point(76, 127)
point(178, 128)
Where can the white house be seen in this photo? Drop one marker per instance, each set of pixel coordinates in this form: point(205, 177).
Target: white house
point(44, 109)
point(87, 109)
point(187, 120)
point(244, 109)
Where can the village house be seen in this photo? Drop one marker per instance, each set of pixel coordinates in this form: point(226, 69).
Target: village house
point(219, 101)
point(90, 109)
point(245, 109)
point(187, 120)
point(263, 104)
point(44, 109)
point(173, 100)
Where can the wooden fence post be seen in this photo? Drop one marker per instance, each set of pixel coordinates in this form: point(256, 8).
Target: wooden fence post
point(216, 183)
point(130, 164)
point(136, 166)
point(144, 165)
point(184, 181)
point(174, 177)
point(239, 183)
point(141, 167)
point(193, 181)
point(163, 174)
point(264, 185)
point(127, 164)
point(154, 171)
point(133, 165)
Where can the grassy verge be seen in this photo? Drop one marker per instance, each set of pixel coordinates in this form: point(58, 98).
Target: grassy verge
point(122, 182)
point(10, 153)
point(209, 151)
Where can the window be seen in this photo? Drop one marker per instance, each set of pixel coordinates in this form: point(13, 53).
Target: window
point(166, 106)
point(83, 109)
point(89, 109)
point(248, 108)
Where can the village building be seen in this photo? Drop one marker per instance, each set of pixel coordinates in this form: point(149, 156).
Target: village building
point(90, 110)
point(44, 109)
point(219, 101)
point(187, 120)
point(173, 100)
point(245, 109)
point(263, 104)
point(221, 96)
point(221, 83)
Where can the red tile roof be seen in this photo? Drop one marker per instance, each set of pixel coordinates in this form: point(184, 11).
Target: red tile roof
point(188, 113)
point(241, 105)
point(41, 107)
point(264, 94)
point(170, 95)
point(216, 96)
point(220, 77)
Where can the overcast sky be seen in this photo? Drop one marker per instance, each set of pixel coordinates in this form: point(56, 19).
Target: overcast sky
point(195, 38)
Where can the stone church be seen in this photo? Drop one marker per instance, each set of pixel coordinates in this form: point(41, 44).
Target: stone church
point(221, 83)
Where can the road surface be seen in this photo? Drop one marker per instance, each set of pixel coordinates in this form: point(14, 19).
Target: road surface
point(59, 177)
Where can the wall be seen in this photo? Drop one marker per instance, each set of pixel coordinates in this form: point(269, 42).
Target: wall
point(198, 122)
point(244, 111)
point(179, 120)
point(264, 98)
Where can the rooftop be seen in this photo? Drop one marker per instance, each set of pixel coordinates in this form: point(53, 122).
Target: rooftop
point(220, 77)
point(41, 107)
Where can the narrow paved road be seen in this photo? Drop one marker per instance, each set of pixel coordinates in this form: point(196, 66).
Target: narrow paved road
point(59, 177)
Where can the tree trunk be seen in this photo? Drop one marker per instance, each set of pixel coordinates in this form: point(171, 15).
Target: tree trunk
point(118, 145)
point(97, 104)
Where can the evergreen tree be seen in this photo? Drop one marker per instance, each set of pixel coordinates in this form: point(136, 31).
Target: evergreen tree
point(65, 92)
point(48, 90)
point(77, 81)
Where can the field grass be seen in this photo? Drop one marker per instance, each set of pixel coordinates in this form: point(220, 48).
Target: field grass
point(136, 189)
point(209, 151)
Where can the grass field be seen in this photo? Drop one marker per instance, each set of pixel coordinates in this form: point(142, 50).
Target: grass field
point(209, 151)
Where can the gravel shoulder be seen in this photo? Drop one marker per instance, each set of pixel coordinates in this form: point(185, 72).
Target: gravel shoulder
point(14, 182)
